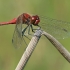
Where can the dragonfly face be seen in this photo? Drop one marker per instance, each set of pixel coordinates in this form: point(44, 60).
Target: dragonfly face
point(35, 20)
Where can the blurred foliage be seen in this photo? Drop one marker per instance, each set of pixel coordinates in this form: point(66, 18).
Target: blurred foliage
point(45, 56)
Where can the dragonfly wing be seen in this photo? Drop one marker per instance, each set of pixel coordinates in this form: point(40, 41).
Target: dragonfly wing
point(17, 36)
point(57, 28)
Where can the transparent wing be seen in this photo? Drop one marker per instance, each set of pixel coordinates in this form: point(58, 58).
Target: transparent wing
point(57, 28)
point(17, 36)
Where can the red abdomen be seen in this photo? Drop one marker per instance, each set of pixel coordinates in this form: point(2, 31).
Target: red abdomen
point(10, 22)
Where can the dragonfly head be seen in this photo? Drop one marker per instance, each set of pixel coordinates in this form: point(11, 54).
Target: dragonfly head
point(35, 20)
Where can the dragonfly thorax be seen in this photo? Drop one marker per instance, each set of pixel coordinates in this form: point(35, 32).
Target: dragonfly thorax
point(26, 18)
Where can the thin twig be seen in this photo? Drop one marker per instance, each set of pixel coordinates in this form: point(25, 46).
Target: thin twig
point(26, 55)
point(58, 46)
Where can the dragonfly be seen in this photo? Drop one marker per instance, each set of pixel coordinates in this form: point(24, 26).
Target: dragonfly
point(19, 30)
point(57, 28)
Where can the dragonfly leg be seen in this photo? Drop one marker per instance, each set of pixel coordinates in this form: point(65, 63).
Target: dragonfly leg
point(23, 33)
point(32, 28)
point(35, 29)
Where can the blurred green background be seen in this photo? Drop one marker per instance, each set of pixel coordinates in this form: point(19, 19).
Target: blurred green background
point(45, 56)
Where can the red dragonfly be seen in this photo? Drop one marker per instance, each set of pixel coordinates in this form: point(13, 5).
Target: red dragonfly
point(57, 28)
point(19, 32)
